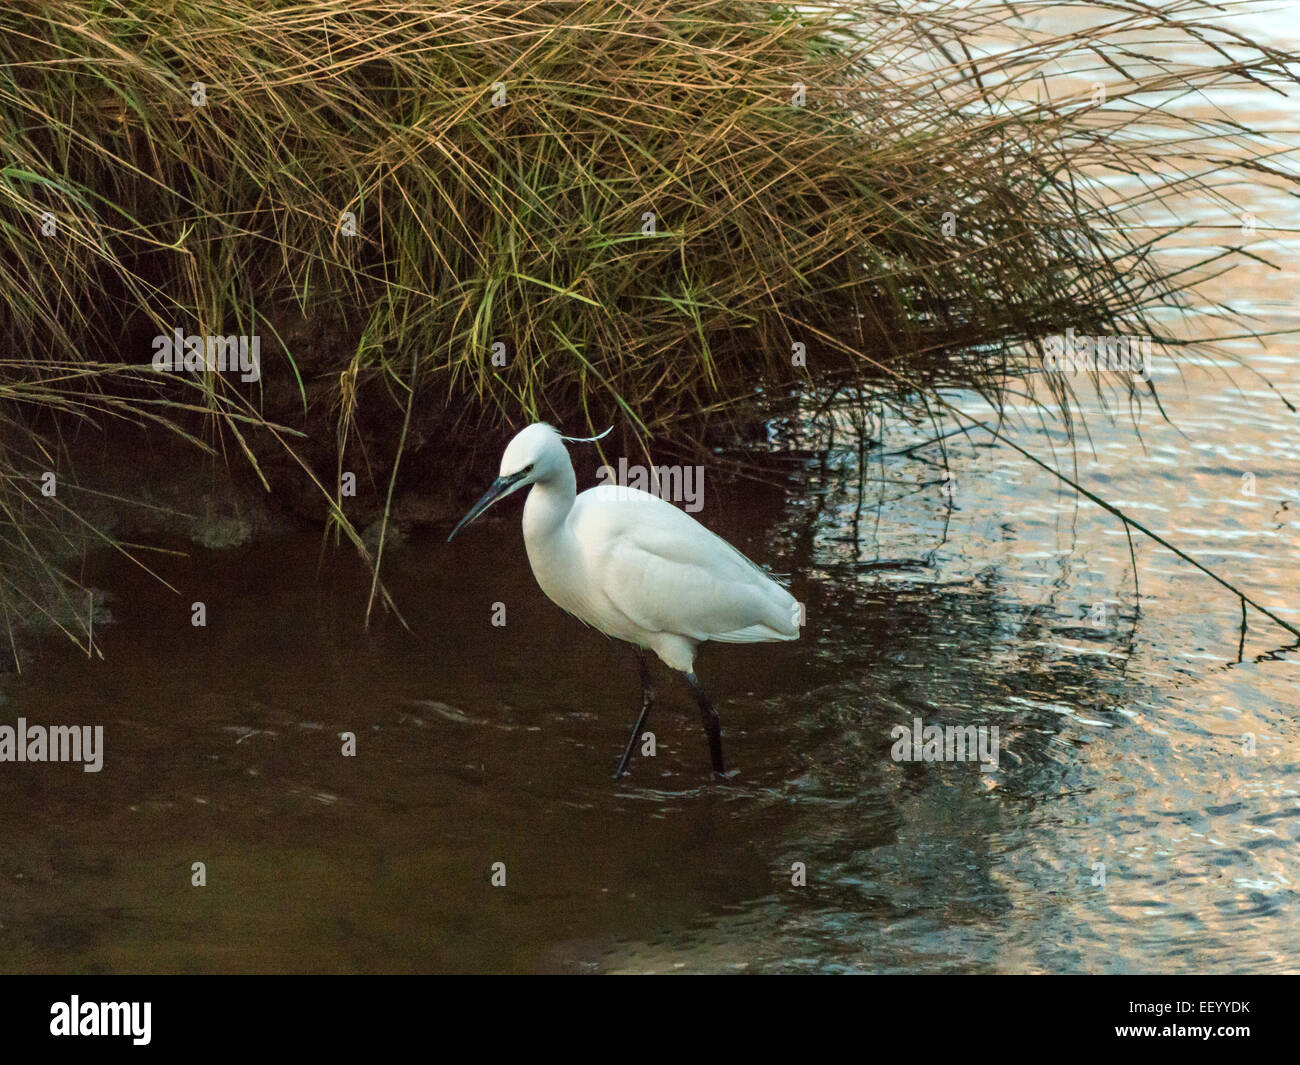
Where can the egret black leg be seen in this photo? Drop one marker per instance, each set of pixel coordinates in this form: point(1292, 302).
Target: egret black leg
point(712, 726)
point(647, 701)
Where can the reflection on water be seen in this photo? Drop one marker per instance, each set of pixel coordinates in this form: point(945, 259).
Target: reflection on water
point(1121, 744)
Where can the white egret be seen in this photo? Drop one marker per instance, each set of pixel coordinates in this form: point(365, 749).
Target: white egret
point(637, 568)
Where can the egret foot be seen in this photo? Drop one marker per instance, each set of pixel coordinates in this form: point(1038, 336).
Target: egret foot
point(712, 726)
point(647, 701)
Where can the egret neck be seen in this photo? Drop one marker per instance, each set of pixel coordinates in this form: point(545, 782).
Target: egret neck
point(552, 548)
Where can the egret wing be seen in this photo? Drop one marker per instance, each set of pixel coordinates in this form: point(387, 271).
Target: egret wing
point(666, 572)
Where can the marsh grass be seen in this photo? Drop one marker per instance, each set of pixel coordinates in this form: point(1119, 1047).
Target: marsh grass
point(777, 221)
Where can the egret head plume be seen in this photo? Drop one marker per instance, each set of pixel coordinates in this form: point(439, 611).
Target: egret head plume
point(588, 439)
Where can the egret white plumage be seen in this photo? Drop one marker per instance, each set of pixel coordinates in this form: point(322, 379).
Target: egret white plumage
point(635, 567)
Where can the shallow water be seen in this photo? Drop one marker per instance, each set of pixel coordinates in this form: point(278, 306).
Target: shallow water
point(1120, 743)
point(1121, 732)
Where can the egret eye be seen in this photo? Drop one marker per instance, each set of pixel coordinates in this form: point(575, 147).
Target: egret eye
point(528, 468)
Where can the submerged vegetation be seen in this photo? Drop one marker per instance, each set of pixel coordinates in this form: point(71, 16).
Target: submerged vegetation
point(467, 214)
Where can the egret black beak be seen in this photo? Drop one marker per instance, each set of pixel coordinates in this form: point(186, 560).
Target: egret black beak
point(500, 487)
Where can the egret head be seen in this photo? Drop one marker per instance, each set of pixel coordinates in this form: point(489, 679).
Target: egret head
point(537, 453)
